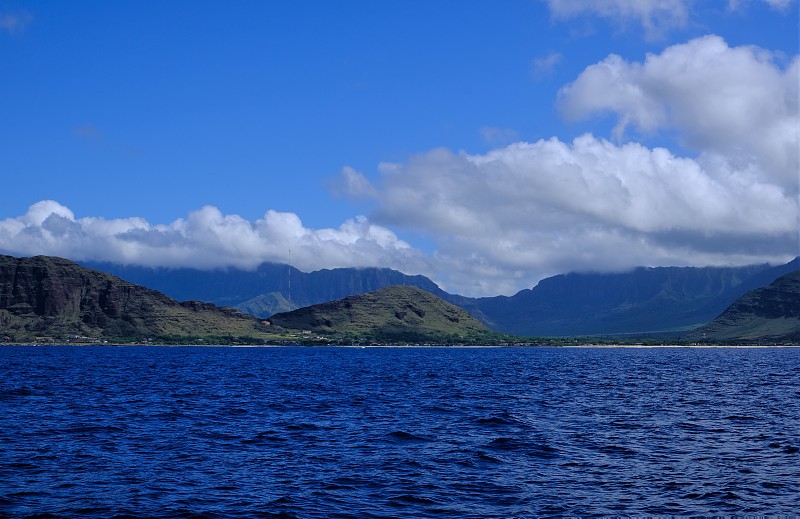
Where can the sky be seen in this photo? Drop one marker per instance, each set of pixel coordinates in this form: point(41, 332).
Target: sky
point(486, 145)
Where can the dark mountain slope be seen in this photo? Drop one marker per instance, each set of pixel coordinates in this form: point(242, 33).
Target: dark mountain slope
point(645, 300)
point(53, 297)
point(224, 287)
point(770, 313)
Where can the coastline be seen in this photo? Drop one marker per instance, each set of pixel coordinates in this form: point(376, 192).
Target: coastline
point(417, 346)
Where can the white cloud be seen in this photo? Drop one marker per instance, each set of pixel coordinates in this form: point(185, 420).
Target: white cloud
point(729, 103)
point(655, 16)
point(496, 136)
point(88, 132)
point(353, 184)
point(778, 5)
point(543, 66)
point(206, 239)
point(14, 23)
point(505, 219)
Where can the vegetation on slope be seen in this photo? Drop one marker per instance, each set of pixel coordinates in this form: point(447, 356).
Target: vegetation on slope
point(392, 314)
point(770, 313)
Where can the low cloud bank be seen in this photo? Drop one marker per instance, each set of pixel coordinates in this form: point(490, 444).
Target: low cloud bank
point(506, 218)
point(205, 239)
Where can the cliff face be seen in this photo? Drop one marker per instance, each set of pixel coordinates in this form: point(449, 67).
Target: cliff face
point(49, 287)
point(267, 290)
point(46, 296)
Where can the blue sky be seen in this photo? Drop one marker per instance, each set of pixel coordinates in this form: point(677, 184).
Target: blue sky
point(484, 144)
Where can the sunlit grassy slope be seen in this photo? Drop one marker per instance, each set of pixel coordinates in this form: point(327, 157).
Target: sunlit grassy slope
point(399, 313)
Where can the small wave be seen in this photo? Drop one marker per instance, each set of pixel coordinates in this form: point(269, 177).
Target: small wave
point(617, 449)
point(788, 449)
point(22, 465)
point(486, 457)
point(17, 391)
point(690, 426)
point(89, 428)
point(214, 435)
point(302, 427)
point(183, 513)
point(439, 409)
point(503, 419)
point(537, 450)
point(264, 437)
point(406, 436)
point(410, 498)
point(505, 444)
point(721, 496)
point(93, 511)
point(676, 485)
point(283, 500)
point(622, 424)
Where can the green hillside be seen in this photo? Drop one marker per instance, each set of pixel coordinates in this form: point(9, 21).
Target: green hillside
point(395, 313)
point(770, 313)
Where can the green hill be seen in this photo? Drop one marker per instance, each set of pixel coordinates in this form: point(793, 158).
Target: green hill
point(770, 314)
point(55, 300)
point(392, 314)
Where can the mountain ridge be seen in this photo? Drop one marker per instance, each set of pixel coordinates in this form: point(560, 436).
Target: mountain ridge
point(646, 300)
point(47, 296)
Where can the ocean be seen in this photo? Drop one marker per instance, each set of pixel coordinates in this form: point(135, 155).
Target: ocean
point(223, 432)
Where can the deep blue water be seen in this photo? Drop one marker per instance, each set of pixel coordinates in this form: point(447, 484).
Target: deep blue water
point(396, 432)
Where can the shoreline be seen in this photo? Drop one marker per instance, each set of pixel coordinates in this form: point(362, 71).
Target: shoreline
point(418, 346)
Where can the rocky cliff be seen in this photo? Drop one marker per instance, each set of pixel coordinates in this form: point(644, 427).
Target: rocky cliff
point(54, 298)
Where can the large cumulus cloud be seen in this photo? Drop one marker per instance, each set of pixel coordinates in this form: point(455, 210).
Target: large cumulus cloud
point(531, 209)
point(733, 104)
point(205, 239)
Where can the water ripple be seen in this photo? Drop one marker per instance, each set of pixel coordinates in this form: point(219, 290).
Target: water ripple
point(350, 433)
